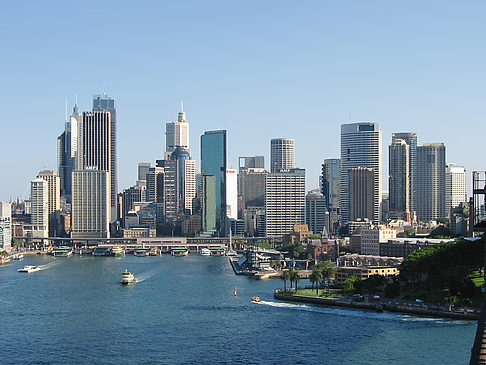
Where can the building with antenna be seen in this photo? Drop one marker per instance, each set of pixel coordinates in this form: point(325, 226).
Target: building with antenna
point(177, 134)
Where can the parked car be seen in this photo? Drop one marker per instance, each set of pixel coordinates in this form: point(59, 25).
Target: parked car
point(376, 298)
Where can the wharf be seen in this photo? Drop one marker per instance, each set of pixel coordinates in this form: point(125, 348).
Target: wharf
point(469, 314)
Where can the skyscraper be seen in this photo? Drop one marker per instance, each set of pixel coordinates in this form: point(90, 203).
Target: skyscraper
point(455, 189)
point(284, 201)
point(107, 103)
point(91, 204)
point(67, 151)
point(430, 181)
point(411, 139)
point(39, 197)
point(331, 188)
point(176, 134)
point(53, 197)
point(315, 211)
point(399, 178)
point(360, 147)
point(143, 168)
point(361, 193)
point(209, 211)
point(282, 155)
point(5, 226)
point(257, 162)
point(231, 194)
point(186, 179)
point(213, 163)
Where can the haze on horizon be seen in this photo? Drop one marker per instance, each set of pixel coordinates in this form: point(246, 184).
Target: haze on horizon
point(260, 70)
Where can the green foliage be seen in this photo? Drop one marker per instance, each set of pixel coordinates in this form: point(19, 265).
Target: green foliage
point(296, 251)
point(350, 284)
point(440, 232)
point(443, 220)
point(263, 245)
point(448, 263)
point(409, 232)
point(314, 237)
point(373, 284)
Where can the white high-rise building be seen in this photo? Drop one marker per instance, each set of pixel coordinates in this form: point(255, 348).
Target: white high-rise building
point(176, 134)
point(91, 204)
point(282, 154)
point(455, 189)
point(284, 201)
point(360, 147)
point(5, 226)
point(231, 193)
point(190, 173)
point(54, 189)
point(39, 197)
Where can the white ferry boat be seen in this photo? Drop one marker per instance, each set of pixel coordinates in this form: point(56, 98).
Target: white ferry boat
point(127, 278)
point(28, 269)
point(62, 251)
point(179, 251)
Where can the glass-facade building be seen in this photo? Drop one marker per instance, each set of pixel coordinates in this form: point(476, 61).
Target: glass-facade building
point(213, 163)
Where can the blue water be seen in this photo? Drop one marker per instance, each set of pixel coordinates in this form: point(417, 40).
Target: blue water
point(183, 310)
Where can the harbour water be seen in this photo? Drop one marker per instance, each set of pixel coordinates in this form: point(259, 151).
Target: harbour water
point(183, 310)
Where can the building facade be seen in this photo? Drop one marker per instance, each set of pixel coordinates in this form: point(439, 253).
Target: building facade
point(455, 189)
point(360, 147)
point(315, 211)
point(361, 193)
point(282, 154)
point(399, 178)
point(176, 134)
point(330, 184)
point(284, 201)
point(39, 197)
point(430, 181)
point(410, 139)
point(5, 226)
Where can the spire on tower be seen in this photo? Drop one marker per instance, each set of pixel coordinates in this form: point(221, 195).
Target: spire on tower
point(182, 107)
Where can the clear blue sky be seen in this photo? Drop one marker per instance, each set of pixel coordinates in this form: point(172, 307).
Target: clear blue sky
point(260, 69)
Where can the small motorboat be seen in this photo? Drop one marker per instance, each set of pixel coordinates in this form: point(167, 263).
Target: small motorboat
point(28, 269)
point(256, 299)
point(127, 278)
point(205, 252)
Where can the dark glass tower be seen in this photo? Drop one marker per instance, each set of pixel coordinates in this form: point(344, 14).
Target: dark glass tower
point(213, 163)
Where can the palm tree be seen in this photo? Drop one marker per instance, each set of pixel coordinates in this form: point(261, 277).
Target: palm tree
point(316, 277)
point(291, 272)
point(285, 277)
point(327, 269)
point(296, 278)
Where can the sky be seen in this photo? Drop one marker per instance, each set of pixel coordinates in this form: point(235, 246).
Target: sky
point(259, 69)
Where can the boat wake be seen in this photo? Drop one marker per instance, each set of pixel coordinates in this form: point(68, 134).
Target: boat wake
point(47, 266)
point(365, 314)
point(146, 275)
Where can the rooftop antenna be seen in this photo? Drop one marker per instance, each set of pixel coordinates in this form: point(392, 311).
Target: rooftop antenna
point(76, 99)
point(104, 87)
point(65, 108)
point(182, 107)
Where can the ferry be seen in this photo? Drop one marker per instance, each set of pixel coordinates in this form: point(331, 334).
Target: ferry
point(256, 299)
point(179, 251)
point(62, 251)
point(141, 252)
point(102, 251)
point(153, 251)
point(127, 278)
point(28, 269)
point(117, 251)
point(205, 252)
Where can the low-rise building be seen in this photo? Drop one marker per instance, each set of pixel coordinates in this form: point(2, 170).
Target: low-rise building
point(403, 247)
point(371, 238)
point(363, 272)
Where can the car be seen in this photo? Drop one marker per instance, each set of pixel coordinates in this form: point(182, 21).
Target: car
point(419, 301)
point(376, 298)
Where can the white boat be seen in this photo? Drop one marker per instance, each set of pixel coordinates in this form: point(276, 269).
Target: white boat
point(28, 269)
point(205, 252)
point(17, 256)
point(179, 251)
point(127, 278)
point(63, 251)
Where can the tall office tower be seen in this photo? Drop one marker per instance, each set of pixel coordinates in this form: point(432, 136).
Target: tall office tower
point(155, 185)
point(399, 178)
point(284, 201)
point(455, 187)
point(107, 103)
point(91, 204)
point(186, 179)
point(411, 139)
point(176, 134)
point(282, 154)
point(315, 211)
point(430, 181)
point(54, 197)
point(39, 197)
point(53, 188)
point(360, 147)
point(253, 162)
point(133, 194)
point(213, 163)
point(251, 188)
point(95, 148)
point(330, 188)
point(5, 226)
point(209, 204)
point(231, 194)
point(170, 198)
point(67, 151)
point(143, 168)
point(361, 193)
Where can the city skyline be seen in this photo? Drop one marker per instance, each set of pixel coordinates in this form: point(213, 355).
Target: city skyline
point(312, 70)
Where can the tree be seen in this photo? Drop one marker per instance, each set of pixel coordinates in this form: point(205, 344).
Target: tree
point(296, 278)
point(327, 269)
point(285, 277)
point(316, 277)
point(349, 284)
point(291, 272)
